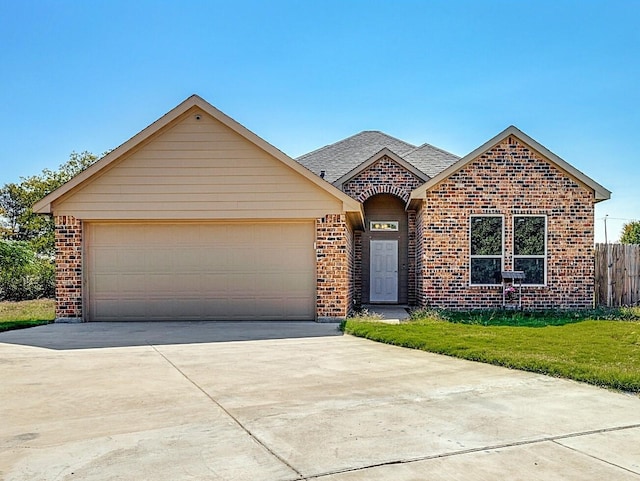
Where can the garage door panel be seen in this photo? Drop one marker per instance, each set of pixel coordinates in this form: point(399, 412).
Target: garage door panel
point(200, 271)
point(191, 259)
point(239, 307)
point(273, 308)
point(242, 258)
point(297, 284)
point(297, 308)
point(159, 260)
point(113, 285)
point(106, 260)
point(217, 261)
point(215, 286)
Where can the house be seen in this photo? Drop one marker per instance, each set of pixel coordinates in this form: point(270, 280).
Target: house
point(196, 217)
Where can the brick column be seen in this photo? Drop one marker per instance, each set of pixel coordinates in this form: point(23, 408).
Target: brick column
point(411, 220)
point(357, 267)
point(333, 268)
point(68, 238)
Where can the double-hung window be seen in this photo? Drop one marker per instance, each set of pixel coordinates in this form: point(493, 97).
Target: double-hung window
point(487, 249)
point(530, 248)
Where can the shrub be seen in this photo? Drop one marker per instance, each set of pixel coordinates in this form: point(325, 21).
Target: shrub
point(24, 274)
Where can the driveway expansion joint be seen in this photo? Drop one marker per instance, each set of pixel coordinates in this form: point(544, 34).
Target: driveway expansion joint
point(299, 475)
point(553, 439)
point(579, 451)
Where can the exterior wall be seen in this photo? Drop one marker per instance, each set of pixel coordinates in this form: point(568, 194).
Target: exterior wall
point(508, 180)
point(421, 241)
point(334, 262)
point(384, 177)
point(68, 240)
point(357, 268)
point(198, 169)
point(411, 261)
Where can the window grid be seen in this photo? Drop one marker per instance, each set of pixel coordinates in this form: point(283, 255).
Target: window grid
point(542, 256)
point(473, 257)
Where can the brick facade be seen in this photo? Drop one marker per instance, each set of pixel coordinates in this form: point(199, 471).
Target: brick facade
point(357, 268)
point(334, 267)
point(412, 260)
point(68, 239)
point(384, 177)
point(508, 180)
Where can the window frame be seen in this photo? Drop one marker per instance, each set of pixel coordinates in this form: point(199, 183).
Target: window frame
point(477, 256)
point(528, 256)
point(394, 226)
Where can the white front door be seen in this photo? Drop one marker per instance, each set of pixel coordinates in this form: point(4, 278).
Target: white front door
point(384, 271)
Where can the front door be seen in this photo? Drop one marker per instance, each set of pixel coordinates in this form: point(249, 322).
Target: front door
point(384, 271)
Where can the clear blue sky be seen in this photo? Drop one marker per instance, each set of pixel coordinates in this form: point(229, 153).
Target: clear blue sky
point(87, 75)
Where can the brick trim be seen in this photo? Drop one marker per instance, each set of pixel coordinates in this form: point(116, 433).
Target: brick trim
point(68, 242)
point(334, 266)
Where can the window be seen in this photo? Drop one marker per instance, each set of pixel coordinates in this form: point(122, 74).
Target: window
point(383, 225)
point(530, 248)
point(487, 247)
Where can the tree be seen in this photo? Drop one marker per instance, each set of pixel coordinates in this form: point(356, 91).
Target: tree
point(23, 273)
point(631, 233)
point(16, 200)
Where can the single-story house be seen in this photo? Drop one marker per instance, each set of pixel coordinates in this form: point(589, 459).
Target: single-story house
point(196, 217)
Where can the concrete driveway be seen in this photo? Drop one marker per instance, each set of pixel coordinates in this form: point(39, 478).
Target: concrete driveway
point(286, 401)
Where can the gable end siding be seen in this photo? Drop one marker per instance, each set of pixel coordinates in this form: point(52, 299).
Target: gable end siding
point(508, 180)
point(198, 169)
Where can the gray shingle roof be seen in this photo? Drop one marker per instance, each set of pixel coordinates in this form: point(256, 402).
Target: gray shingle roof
point(429, 159)
point(339, 158)
point(343, 156)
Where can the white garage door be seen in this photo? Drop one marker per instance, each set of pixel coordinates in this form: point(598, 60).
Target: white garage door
point(236, 271)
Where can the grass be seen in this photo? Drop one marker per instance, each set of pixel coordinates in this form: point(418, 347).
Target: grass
point(18, 315)
point(598, 347)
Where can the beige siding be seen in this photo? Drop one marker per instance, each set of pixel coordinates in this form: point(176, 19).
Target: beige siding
point(200, 271)
point(198, 169)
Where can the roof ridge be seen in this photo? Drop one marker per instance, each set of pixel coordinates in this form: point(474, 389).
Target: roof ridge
point(351, 137)
point(427, 144)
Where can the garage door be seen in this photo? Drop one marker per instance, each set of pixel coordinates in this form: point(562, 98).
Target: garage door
point(237, 271)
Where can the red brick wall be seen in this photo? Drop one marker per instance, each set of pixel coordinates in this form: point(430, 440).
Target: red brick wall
point(411, 264)
point(385, 177)
point(334, 267)
point(357, 267)
point(68, 239)
point(508, 180)
point(382, 177)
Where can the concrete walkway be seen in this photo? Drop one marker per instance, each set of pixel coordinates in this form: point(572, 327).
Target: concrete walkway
point(391, 313)
point(185, 401)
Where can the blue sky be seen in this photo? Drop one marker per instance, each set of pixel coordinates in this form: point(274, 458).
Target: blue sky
point(87, 75)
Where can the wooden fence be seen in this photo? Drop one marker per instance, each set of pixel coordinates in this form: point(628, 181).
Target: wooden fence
point(617, 271)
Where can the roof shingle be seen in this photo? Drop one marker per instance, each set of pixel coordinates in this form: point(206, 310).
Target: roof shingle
point(345, 155)
point(339, 158)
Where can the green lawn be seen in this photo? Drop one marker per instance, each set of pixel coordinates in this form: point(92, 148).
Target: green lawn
point(601, 352)
point(18, 315)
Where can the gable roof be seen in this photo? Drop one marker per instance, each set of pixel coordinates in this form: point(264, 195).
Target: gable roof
point(345, 155)
point(599, 191)
point(373, 159)
point(44, 206)
point(429, 159)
